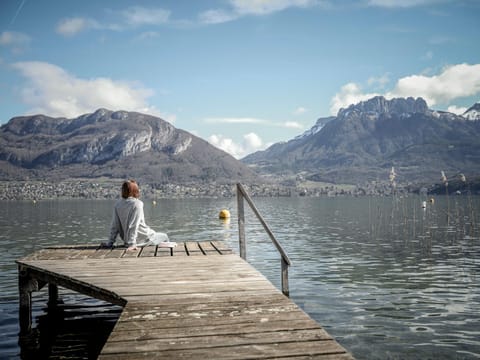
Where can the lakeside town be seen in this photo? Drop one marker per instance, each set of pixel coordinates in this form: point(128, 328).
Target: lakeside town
point(109, 189)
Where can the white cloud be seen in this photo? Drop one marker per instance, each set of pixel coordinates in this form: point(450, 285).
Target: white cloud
point(138, 16)
point(300, 111)
point(350, 93)
point(17, 41)
point(216, 16)
point(262, 7)
point(239, 8)
point(379, 82)
point(402, 3)
point(229, 120)
point(73, 26)
point(251, 142)
point(253, 121)
point(456, 110)
point(453, 82)
point(13, 38)
point(134, 16)
point(51, 90)
point(292, 125)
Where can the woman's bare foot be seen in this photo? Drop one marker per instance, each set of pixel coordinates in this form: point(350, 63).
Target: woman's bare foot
point(132, 248)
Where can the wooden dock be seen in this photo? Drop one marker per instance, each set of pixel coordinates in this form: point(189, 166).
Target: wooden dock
point(198, 300)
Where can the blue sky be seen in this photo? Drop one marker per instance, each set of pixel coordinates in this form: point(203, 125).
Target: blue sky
point(241, 74)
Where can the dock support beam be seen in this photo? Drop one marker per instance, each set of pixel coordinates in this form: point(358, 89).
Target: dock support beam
point(52, 295)
point(26, 284)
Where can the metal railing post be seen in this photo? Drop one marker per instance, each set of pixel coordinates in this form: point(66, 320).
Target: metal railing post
point(285, 288)
point(285, 261)
point(241, 224)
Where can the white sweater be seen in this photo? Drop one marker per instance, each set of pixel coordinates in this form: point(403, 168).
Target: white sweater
point(129, 222)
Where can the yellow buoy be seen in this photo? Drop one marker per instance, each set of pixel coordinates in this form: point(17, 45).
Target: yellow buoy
point(224, 214)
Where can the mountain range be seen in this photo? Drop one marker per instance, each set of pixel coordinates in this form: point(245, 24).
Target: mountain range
point(364, 141)
point(112, 144)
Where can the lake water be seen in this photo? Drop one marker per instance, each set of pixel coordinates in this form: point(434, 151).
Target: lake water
point(386, 278)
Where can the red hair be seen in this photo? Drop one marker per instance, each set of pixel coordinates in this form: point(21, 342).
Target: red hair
point(130, 188)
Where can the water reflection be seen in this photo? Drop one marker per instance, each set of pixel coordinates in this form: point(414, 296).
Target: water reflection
point(386, 277)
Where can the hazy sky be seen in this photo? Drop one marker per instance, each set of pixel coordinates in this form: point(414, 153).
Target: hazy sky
point(241, 74)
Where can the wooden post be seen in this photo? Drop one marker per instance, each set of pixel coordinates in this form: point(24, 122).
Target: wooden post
point(52, 295)
point(26, 284)
point(285, 288)
point(241, 224)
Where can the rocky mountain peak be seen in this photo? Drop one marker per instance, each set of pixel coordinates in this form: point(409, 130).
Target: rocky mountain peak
point(473, 113)
point(380, 105)
point(366, 139)
point(113, 144)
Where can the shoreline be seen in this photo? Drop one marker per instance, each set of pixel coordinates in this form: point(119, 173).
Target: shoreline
point(35, 190)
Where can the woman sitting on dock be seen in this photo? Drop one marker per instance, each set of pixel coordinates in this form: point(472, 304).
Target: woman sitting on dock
point(129, 221)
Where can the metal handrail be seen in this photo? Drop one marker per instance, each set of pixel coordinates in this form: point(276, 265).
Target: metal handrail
point(285, 260)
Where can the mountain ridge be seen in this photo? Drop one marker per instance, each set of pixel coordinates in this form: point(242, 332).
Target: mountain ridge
point(113, 144)
point(365, 140)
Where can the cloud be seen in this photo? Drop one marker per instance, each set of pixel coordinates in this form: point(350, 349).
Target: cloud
point(457, 110)
point(300, 111)
point(138, 16)
point(17, 41)
point(51, 90)
point(453, 82)
point(253, 121)
point(402, 3)
point(292, 125)
point(262, 7)
point(350, 93)
point(229, 120)
point(251, 142)
point(216, 16)
point(239, 8)
point(75, 25)
point(135, 16)
point(379, 82)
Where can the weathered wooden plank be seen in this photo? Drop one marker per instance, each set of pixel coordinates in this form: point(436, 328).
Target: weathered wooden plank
point(208, 249)
point(260, 312)
point(193, 249)
point(221, 247)
point(162, 252)
point(158, 342)
point(99, 253)
point(125, 330)
point(199, 296)
point(115, 253)
point(237, 323)
point(131, 253)
point(247, 351)
point(148, 251)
